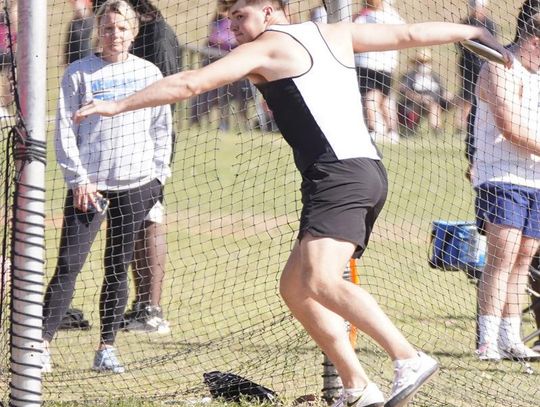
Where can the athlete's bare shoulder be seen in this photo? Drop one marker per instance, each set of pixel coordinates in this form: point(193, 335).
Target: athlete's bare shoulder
point(284, 57)
point(339, 39)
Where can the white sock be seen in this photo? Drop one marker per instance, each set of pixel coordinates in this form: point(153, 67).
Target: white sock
point(488, 326)
point(510, 331)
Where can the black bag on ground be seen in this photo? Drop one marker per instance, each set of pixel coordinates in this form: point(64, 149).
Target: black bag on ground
point(74, 319)
point(232, 387)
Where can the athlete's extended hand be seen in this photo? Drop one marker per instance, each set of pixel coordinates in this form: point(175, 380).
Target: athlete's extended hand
point(488, 39)
point(101, 107)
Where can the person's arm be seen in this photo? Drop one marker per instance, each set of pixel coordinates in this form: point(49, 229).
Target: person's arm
point(384, 37)
point(502, 91)
point(239, 63)
point(161, 132)
point(67, 150)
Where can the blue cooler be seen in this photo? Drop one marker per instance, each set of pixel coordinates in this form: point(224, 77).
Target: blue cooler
point(457, 246)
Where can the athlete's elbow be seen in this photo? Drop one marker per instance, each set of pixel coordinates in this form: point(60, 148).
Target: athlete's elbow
point(185, 86)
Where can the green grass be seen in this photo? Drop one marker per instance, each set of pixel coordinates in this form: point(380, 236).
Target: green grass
point(226, 250)
point(232, 209)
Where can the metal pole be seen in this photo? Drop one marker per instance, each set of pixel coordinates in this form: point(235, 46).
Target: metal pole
point(338, 10)
point(29, 210)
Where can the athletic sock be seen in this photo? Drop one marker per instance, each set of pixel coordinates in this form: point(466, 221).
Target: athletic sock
point(510, 331)
point(488, 326)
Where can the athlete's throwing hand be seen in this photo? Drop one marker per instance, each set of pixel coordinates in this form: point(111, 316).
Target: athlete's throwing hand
point(101, 107)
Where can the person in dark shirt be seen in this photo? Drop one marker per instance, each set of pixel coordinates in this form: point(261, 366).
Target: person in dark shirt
point(157, 43)
point(79, 35)
point(469, 63)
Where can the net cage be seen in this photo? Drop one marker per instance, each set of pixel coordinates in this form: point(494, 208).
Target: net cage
point(201, 293)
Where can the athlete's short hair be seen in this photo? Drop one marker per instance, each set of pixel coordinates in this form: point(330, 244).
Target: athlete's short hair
point(123, 8)
point(225, 5)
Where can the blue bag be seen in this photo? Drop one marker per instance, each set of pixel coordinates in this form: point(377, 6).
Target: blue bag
point(457, 246)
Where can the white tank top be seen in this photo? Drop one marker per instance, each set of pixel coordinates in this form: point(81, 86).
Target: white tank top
point(320, 111)
point(496, 159)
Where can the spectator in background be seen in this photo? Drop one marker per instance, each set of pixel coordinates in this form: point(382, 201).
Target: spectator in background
point(527, 9)
point(157, 43)
point(79, 35)
point(8, 38)
point(375, 71)
point(221, 41)
point(97, 159)
point(506, 176)
point(422, 94)
point(469, 63)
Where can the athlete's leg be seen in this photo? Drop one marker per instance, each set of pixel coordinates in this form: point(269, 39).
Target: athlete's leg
point(313, 288)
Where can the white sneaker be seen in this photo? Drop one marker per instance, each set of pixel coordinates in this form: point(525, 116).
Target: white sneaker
point(519, 351)
point(46, 364)
point(158, 325)
point(488, 352)
point(409, 375)
point(371, 396)
point(536, 346)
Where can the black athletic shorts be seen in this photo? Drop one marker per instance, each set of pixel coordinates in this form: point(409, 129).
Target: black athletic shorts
point(369, 79)
point(343, 199)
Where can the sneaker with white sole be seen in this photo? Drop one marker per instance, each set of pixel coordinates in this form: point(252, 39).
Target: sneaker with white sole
point(536, 346)
point(409, 376)
point(46, 364)
point(371, 396)
point(519, 351)
point(105, 360)
point(488, 352)
point(149, 320)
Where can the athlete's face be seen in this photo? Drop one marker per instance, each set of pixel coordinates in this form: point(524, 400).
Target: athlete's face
point(248, 21)
point(115, 36)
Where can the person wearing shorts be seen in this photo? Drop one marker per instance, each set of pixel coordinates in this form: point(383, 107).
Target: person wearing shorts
point(505, 173)
point(307, 76)
point(375, 71)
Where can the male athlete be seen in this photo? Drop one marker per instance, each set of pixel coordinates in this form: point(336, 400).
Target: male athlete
point(306, 74)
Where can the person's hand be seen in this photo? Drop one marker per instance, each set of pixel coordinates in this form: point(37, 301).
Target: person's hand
point(486, 38)
point(101, 107)
point(85, 196)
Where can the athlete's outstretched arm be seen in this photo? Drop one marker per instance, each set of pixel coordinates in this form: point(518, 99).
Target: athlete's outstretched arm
point(383, 37)
point(234, 66)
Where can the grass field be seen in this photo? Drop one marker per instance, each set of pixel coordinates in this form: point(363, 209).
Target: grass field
point(232, 210)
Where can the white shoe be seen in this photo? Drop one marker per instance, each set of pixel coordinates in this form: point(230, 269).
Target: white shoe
point(159, 325)
point(409, 375)
point(371, 396)
point(536, 346)
point(46, 364)
point(488, 352)
point(519, 351)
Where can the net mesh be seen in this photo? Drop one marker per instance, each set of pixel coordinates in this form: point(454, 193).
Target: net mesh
point(231, 215)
